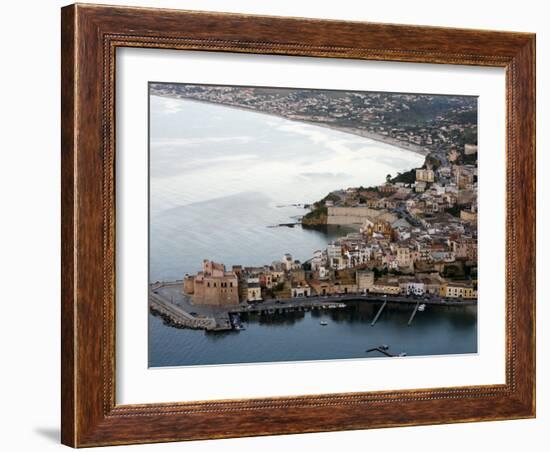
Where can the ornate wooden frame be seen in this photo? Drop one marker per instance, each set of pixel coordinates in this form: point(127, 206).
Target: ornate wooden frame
point(90, 35)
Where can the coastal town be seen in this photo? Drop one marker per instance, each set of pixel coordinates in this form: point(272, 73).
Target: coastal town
point(414, 235)
point(413, 239)
point(416, 238)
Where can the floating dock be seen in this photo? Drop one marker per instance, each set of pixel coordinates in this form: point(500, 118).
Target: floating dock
point(378, 313)
point(415, 310)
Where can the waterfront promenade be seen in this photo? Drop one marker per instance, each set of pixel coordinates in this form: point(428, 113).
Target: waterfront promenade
point(168, 299)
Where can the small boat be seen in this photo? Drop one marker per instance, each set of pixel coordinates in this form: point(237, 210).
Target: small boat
point(402, 354)
point(323, 323)
point(422, 307)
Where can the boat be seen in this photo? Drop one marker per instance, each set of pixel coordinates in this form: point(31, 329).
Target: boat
point(402, 354)
point(235, 322)
point(323, 323)
point(422, 307)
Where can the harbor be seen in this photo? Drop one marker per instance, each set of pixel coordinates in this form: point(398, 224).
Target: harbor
point(287, 334)
point(168, 299)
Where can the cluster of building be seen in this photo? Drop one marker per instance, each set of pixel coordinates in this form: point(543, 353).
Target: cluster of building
point(416, 238)
point(450, 189)
point(255, 284)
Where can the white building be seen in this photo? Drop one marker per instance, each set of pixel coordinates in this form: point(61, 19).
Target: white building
point(288, 261)
point(411, 287)
point(300, 290)
point(324, 273)
point(317, 260)
point(334, 254)
point(356, 257)
point(253, 292)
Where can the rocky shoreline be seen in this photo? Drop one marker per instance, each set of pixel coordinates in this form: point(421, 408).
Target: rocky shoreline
point(321, 221)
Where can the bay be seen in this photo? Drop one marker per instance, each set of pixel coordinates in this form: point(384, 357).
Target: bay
point(221, 180)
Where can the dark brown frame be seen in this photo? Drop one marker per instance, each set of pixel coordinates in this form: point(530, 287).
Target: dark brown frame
point(90, 34)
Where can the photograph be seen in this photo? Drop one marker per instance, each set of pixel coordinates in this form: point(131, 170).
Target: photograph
point(293, 224)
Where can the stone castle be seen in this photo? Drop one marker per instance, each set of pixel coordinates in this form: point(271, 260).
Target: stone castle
point(213, 285)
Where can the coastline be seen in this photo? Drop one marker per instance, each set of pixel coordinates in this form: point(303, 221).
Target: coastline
point(322, 220)
point(369, 135)
point(350, 130)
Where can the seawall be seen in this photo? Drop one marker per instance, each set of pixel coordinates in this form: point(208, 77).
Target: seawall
point(350, 215)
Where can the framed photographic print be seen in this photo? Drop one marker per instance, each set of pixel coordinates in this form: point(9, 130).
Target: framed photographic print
point(281, 225)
